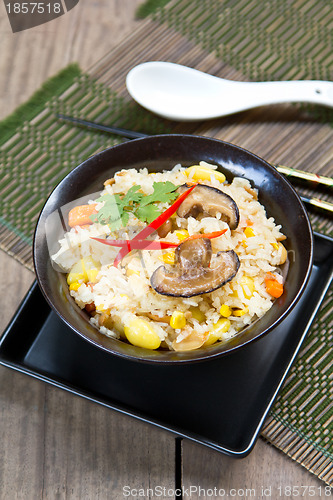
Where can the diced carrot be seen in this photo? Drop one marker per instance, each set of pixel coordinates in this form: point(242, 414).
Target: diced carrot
point(273, 286)
point(192, 183)
point(80, 216)
point(249, 222)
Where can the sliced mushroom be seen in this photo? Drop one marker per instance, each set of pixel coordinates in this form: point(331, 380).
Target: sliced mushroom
point(193, 341)
point(252, 192)
point(192, 274)
point(106, 320)
point(165, 228)
point(160, 319)
point(111, 323)
point(193, 254)
point(209, 200)
point(109, 182)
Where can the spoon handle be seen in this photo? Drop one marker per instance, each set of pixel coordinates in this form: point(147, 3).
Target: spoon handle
point(310, 91)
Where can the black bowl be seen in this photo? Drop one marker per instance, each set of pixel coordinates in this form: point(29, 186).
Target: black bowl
point(163, 152)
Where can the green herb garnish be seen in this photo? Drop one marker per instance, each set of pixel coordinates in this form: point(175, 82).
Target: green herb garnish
point(116, 208)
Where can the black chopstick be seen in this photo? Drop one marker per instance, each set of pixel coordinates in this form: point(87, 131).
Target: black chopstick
point(129, 134)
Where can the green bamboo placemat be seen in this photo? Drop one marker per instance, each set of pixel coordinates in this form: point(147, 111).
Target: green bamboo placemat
point(243, 40)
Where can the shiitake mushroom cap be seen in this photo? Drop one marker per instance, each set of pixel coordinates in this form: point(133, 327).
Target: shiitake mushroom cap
point(191, 274)
point(209, 200)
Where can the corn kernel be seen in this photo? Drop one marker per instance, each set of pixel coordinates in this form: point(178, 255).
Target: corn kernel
point(225, 311)
point(91, 268)
point(74, 278)
point(182, 234)
point(244, 243)
point(197, 314)
point(77, 273)
point(200, 173)
point(130, 272)
point(275, 246)
point(222, 326)
point(248, 231)
point(177, 320)
point(240, 312)
point(85, 270)
point(74, 286)
point(92, 274)
point(216, 333)
point(101, 308)
point(211, 339)
point(141, 334)
point(168, 258)
point(247, 285)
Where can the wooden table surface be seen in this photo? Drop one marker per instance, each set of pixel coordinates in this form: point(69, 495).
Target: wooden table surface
point(58, 446)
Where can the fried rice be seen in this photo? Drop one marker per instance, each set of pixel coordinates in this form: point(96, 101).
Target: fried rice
point(118, 296)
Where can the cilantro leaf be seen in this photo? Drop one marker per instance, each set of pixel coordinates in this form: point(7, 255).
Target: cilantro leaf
point(147, 213)
point(112, 212)
point(163, 192)
point(132, 196)
point(115, 209)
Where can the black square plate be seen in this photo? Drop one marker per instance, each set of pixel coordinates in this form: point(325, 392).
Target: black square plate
point(220, 403)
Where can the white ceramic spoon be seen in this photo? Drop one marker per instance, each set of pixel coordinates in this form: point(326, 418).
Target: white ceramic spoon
point(180, 93)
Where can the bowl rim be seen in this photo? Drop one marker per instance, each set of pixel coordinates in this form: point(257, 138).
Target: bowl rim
point(201, 355)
